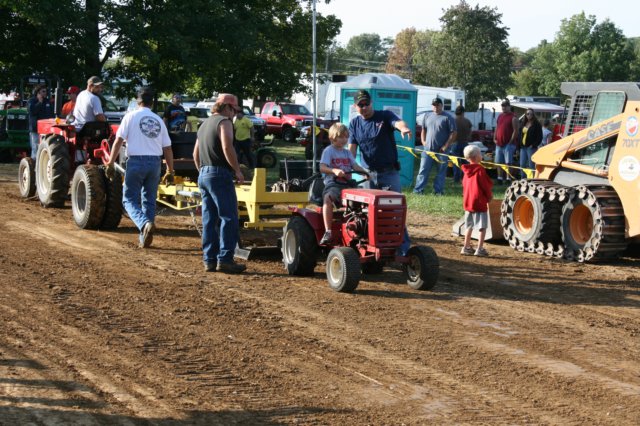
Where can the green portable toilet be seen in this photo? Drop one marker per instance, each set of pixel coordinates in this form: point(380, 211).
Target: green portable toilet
point(388, 91)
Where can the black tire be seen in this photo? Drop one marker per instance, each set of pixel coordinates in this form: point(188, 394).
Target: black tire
point(27, 177)
point(288, 134)
point(88, 197)
point(113, 205)
point(372, 268)
point(266, 158)
point(423, 268)
point(52, 171)
point(299, 247)
point(593, 225)
point(343, 269)
point(528, 217)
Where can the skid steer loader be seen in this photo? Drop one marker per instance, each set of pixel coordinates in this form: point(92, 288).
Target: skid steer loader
point(583, 203)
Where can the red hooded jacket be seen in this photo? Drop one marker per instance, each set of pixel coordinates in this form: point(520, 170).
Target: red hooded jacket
point(476, 188)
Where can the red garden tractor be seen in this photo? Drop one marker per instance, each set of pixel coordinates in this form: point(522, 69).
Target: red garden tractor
point(68, 158)
point(367, 231)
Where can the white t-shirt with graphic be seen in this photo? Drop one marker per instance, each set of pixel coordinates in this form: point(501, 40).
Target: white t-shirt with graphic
point(144, 132)
point(87, 107)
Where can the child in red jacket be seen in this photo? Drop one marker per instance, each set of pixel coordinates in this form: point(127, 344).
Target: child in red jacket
point(476, 194)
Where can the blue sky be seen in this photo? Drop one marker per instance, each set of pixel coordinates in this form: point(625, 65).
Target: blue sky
point(528, 22)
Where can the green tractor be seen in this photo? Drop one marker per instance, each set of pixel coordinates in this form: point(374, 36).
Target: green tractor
point(14, 134)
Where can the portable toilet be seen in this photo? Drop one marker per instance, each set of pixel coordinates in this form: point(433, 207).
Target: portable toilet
point(388, 91)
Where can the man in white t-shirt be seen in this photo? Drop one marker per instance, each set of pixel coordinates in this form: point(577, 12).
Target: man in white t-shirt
point(147, 140)
point(88, 107)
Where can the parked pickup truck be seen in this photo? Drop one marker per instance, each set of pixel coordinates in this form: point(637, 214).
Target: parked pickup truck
point(285, 120)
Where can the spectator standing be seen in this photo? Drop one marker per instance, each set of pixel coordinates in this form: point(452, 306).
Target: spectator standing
point(175, 117)
point(88, 107)
point(463, 126)
point(39, 108)
point(147, 140)
point(335, 162)
point(372, 132)
point(217, 163)
point(244, 138)
point(505, 138)
point(476, 194)
point(547, 132)
point(68, 106)
point(530, 139)
point(438, 134)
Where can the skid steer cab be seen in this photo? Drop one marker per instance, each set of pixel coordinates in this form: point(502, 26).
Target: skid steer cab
point(367, 232)
point(70, 159)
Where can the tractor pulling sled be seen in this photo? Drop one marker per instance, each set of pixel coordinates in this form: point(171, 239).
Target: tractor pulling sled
point(367, 230)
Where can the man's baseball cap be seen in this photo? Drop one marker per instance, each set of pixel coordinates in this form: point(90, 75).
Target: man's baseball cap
point(436, 101)
point(506, 103)
point(73, 89)
point(362, 95)
point(145, 95)
point(94, 81)
point(229, 99)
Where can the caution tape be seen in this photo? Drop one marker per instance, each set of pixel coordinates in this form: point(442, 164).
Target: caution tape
point(438, 157)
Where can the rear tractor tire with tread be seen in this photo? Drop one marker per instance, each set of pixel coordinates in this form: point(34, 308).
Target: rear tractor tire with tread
point(52, 171)
point(113, 205)
point(299, 247)
point(88, 197)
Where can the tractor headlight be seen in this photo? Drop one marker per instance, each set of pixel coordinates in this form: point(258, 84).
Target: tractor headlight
point(384, 201)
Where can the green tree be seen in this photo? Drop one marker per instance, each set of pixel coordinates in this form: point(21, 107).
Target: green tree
point(363, 53)
point(405, 52)
point(471, 52)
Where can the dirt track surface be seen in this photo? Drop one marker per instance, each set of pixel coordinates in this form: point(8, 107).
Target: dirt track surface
point(94, 330)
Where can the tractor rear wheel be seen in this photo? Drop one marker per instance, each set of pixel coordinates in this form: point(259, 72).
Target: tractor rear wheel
point(423, 268)
point(88, 197)
point(27, 177)
point(343, 269)
point(299, 247)
point(52, 171)
point(113, 205)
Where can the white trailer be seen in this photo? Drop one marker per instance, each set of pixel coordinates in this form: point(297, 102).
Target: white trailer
point(451, 97)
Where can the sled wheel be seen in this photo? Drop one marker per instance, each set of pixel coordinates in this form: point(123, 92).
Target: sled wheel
point(423, 268)
point(343, 269)
point(113, 205)
point(27, 177)
point(88, 198)
point(299, 247)
point(266, 158)
point(52, 171)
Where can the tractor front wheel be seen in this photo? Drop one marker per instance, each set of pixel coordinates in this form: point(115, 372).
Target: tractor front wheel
point(299, 247)
point(343, 269)
point(52, 171)
point(27, 177)
point(88, 198)
point(423, 268)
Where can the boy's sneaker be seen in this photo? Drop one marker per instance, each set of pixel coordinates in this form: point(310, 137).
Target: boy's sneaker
point(326, 238)
point(231, 267)
point(466, 251)
point(147, 234)
point(481, 252)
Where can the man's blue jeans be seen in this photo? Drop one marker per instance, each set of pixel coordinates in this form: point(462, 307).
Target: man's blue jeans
point(426, 164)
point(220, 228)
point(33, 140)
point(141, 188)
point(390, 180)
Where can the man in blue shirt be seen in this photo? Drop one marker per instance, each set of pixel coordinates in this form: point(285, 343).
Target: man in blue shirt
point(439, 132)
point(372, 132)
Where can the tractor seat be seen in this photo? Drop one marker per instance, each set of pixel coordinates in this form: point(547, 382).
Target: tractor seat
point(315, 190)
point(95, 130)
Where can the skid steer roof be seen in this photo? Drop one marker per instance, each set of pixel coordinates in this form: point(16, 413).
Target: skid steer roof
point(631, 89)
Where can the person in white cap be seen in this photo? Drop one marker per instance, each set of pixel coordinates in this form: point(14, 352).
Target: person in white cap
point(88, 107)
point(216, 160)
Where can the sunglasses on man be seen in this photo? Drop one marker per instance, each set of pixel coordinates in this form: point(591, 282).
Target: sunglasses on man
point(363, 104)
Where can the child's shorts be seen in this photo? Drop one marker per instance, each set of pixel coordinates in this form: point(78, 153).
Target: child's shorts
point(334, 189)
point(476, 220)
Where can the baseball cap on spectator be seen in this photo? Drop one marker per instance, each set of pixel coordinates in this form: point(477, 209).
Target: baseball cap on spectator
point(73, 90)
point(506, 103)
point(94, 81)
point(229, 99)
point(459, 110)
point(362, 95)
point(436, 101)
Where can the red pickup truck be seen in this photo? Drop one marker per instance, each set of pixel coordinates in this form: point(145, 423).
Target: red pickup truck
point(285, 120)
